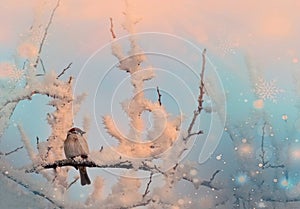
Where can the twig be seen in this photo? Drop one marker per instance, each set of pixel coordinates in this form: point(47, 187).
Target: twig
point(276, 166)
point(201, 88)
point(214, 175)
point(35, 192)
point(46, 33)
point(263, 152)
point(208, 183)
point(73, 182)
point(10, 152)
point(64, 70)
point(144, 203)
point(148, 185)
point(159, 95)
point(200, 99)
point(24, 64)
point(112, 28)
point(196, 133)
point(43, 66)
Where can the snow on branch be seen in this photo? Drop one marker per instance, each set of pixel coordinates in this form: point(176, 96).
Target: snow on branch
point(27, 183)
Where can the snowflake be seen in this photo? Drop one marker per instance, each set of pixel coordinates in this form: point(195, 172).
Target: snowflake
point(267, 89)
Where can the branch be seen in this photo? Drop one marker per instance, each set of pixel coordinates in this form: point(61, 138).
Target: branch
point(159, 96)
point(73, 182)
point(148, 185)
point(214, 175)
point(15, 150)
point(200, 100)
point(272, 199)
point(112, 28)
point(263, 152)
point(43, 67)
point(33, 191)
point(207, 183)
point(85, 163)
point(144, 203)
point(275, 166)
point(45, 34)
point(64, 70)
point(119, 165)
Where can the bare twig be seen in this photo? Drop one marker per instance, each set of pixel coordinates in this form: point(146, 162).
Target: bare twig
point(207, 183)
point(64, 70)
point(24, 64)
point(112, 28)
point(43, 66)
point(46, 33)
point(263, 152)
point(196, 133)
point(159, 95)
point(200, 99)
point(10, 152)
point(275, 166)
point(148, 185)
point(201, 87)
point(73, 182)
point(144, 203)
point(214, 175)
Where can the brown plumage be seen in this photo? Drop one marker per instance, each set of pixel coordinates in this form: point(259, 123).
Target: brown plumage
point(76, 145)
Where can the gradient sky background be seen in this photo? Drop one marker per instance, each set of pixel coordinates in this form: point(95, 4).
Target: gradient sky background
point(235, 33)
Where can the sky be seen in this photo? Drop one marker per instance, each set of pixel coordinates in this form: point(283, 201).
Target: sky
point(245, 40)
point(254, 27)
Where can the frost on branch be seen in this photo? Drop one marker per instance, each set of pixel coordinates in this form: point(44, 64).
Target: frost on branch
point(60, 95)
point(157, 153)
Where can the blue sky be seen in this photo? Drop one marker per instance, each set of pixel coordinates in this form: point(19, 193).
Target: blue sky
point(246, 40)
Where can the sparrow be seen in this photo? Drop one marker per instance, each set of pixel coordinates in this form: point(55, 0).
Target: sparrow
point(76, 145)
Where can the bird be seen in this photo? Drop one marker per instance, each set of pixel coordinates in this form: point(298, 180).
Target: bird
point(76, 145)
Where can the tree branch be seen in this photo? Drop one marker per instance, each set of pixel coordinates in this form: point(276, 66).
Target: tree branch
point(33, 191)
point(64, 70)
point(112, 28)
point(148, 185)
point(200, 99)
point(85, 163)
point(10, 152)
point(159, 95)
point(118, 165)
point(45, 34)
point(73, 182)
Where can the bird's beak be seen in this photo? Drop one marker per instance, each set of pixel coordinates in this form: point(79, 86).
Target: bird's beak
point(83, 132)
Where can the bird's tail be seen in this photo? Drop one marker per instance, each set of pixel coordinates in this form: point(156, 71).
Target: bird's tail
point(84, 178)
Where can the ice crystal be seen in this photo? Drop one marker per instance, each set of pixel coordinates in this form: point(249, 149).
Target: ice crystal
point(267, 90)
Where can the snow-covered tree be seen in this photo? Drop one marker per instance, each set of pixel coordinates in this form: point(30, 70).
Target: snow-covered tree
point(158, 155)
point(155, 162)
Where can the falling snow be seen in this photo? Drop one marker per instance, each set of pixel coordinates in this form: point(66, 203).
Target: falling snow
point(267, 90)
point(227, 47)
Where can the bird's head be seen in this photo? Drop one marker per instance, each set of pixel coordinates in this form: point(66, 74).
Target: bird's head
point(76, 130)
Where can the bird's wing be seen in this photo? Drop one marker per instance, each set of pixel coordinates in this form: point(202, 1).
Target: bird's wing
point(70, 147)
point(84, 146)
